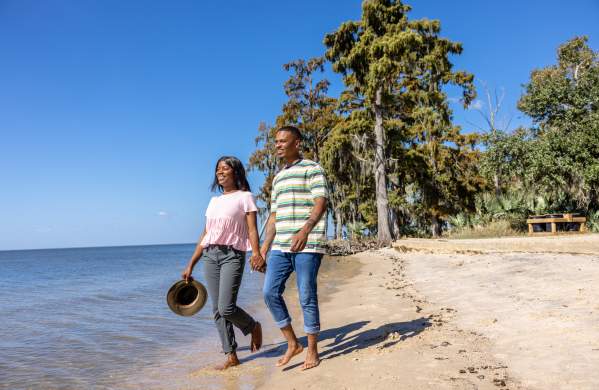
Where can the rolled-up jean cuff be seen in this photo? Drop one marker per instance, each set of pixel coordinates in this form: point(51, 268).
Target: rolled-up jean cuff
point(284, 323)
point(312, 330)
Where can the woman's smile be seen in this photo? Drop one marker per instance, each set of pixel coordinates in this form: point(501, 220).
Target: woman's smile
point(224, 174)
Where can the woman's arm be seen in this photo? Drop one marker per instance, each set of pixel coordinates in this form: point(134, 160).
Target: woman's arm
point(270, 233)
point(197, 254)
point(256, 261)
point(250, 219)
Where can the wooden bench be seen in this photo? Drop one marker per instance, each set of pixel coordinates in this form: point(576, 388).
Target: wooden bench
point(556, 223)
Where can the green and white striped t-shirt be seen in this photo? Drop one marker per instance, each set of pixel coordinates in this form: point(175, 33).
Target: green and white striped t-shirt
point(294, 190)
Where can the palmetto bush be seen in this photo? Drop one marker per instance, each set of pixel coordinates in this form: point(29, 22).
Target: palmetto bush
point(512, 207)
point(503, 214)
point(357, 229)
point(593, 221)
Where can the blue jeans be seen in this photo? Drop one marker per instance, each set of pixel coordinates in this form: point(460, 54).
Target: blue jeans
point(280, 266)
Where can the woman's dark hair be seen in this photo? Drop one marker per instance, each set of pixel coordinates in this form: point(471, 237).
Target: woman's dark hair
point(241, 181)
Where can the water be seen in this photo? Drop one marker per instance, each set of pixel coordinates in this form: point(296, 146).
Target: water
point(98, 318)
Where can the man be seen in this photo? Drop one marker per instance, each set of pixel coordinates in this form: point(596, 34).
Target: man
point(297, 226)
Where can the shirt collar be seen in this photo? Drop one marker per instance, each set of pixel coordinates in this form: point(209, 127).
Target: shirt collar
point(287, 166)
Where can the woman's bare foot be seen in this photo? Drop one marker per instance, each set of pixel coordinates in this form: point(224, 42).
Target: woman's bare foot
point(311, 361)
point(231, 361)
point(256, 342)
point(292, 350)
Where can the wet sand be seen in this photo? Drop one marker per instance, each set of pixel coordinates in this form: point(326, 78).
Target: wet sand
point(257, 368)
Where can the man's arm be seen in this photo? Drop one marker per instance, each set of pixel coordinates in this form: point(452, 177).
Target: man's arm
point(299, 240)
point(269, 235)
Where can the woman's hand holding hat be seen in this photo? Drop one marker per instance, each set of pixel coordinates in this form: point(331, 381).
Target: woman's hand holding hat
point(186, 275)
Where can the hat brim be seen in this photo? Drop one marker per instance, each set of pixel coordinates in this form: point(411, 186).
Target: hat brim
point(186, 298)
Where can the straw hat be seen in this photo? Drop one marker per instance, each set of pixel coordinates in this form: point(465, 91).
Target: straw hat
point(186, 298)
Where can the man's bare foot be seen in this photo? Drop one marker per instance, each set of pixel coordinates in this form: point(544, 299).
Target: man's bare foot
point(311, 361)
point(231, 361)
point(256, 342)
point(292, 350)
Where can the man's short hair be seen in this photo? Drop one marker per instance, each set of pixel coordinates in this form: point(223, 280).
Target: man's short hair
point(293, 130)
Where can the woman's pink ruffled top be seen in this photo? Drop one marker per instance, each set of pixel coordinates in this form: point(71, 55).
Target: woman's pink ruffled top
point(225, 220)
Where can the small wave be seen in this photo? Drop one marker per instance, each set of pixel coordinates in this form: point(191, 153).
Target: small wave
point(106, 297)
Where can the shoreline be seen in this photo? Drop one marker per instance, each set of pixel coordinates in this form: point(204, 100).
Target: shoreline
point(257, 368)
point(442, 314)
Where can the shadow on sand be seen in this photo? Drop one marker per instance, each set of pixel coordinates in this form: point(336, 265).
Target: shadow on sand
point(342, 340)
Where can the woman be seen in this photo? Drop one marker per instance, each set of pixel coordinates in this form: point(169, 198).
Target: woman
point(230, 231)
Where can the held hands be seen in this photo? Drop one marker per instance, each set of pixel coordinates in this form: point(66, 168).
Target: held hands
point(298, 241)
point(257, 262)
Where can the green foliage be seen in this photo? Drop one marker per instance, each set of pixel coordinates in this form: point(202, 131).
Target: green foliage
point(350, 176)
point(559, 158)
point(357, 229)
point(308, 106)
point(506, 156)
point(512, 207)
point(593, 222)
point(562, 96)
point(395, 70)
point(388, 144)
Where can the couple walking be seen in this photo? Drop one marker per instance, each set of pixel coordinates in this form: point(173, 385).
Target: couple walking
point(296, 230)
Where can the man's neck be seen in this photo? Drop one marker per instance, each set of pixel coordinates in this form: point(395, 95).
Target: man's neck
point(293, 160)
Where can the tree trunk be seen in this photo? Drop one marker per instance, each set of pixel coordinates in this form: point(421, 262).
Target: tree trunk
point(435, 227)
point(331, 212)
point(496, 184)
point(380, 177)
point(394, 213)
point(394, 223)
point(339, 225)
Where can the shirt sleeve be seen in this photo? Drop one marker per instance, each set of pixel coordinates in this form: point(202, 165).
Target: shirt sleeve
point(248, 203)
point(318, 183)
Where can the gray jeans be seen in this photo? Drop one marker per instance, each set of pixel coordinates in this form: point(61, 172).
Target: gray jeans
point(223, 270)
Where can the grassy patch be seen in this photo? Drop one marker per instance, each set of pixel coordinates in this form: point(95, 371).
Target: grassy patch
point(490, 230)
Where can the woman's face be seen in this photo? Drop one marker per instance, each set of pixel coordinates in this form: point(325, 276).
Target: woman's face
point(225, 176)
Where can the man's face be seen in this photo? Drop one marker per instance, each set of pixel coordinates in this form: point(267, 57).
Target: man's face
point(287, 145)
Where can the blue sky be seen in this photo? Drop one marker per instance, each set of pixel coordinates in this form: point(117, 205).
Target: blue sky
point(112, 113)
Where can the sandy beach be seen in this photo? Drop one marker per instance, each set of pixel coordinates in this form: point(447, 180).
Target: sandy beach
point(453, 314)
point(449, 314)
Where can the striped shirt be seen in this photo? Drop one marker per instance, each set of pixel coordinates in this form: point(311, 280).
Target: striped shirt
point(294, 190)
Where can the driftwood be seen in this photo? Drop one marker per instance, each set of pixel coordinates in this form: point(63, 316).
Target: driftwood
point(350, 247)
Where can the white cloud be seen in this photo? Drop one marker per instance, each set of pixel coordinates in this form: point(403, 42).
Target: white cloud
point(476, 105)
point(162, 214)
